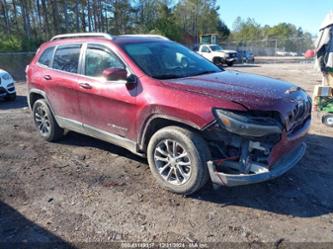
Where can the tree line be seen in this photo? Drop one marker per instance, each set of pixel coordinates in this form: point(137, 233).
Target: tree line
point(283, 36)
point(24, 24)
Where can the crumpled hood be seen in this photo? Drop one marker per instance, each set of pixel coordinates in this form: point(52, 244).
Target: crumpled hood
point(250, 90)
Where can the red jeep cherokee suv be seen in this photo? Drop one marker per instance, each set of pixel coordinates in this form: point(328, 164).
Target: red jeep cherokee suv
point(156, 98)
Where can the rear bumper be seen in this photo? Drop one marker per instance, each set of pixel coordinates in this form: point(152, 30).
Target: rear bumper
point(279, 168)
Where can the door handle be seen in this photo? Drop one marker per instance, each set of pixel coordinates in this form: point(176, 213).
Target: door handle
point(47, 77)
point(85, 85)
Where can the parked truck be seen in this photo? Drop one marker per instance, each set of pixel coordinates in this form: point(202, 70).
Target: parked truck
point(217, 54)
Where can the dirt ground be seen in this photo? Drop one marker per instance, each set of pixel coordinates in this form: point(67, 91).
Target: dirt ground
point(84, 190)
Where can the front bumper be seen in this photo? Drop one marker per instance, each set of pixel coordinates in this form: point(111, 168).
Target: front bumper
point(9, 89)
point(230, 59)
point(262, 174)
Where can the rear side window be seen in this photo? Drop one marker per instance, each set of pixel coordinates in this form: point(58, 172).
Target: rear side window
point(46, 57)
point(66, 58)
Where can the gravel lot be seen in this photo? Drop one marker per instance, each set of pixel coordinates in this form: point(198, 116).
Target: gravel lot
point(84, 190)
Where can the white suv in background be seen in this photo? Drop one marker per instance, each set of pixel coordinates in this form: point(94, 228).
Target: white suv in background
point(7, 87)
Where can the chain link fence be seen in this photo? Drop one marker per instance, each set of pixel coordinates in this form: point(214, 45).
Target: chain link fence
point(272, 47)
point(15, 63)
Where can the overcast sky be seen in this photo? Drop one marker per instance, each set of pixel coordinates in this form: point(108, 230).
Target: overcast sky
point(307, 14)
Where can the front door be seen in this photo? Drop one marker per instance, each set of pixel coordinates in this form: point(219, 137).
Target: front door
point(106, 106)
point(205, 52)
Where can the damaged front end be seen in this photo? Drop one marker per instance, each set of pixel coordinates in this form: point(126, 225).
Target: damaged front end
point(252, 147)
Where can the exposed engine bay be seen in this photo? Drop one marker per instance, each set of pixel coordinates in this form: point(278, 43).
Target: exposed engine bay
point(242, 145)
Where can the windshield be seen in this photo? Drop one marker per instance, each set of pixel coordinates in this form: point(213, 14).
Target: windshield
point(168, 60)
point(216, 48)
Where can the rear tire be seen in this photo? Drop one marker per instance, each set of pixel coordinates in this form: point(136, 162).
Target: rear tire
point(45, 122)
point(177, 159)
point(328, 120)
point(10, 97)
point(230, 64)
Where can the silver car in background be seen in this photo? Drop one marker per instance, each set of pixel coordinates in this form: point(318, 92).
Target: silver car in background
point(7, 87)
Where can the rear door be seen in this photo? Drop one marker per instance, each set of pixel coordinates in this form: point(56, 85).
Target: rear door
point(106, 106)
point(205, 52)
point(61, 82)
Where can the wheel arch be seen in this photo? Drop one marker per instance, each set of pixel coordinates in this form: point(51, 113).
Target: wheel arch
point(34, 95)
point(217, 57)
point(158, 122)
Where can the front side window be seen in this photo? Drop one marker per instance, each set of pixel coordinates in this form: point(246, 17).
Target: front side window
point(66, 58)
point(205, 49)
point(167, 60)
point(98, 59)
point(46, 57)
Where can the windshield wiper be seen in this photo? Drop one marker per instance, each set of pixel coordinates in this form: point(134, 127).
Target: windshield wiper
point(175, 76)
point(205, 72)
point(168, 76)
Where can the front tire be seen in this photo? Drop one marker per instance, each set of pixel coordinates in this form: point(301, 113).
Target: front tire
point(177, 159)
point(45, 121)
point(217, 61)
point(230, 64)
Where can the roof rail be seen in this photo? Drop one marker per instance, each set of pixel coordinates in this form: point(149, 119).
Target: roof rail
point(146, 35)
point(78, 35)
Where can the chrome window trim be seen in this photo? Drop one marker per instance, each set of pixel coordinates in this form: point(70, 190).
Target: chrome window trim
point(103, 46)
point(51, 59)
point(65, 45)
point(84, 46)
point(58, 70)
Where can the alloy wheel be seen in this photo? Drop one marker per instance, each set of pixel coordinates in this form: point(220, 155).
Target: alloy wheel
point(42, 120)
point(172, 162)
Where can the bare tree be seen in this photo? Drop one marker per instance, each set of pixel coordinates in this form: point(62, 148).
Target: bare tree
point(46, 19)
point(55, 14)
point(15, 16)
point(65, 11)
point(77, 15)
point(89, 16)
point(26, 18)
point(5, 16)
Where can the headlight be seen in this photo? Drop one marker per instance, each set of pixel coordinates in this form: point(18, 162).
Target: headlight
point(247, 124)
point(6, 76)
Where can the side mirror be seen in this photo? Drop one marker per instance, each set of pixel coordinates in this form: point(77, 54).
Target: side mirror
point(115, 74)
point(131, 79)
